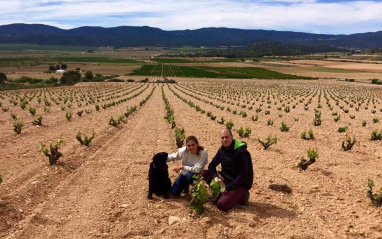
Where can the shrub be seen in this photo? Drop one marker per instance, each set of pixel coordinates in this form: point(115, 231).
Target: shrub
point(375, 81)
point(70, 78)
point(284, 127)
point(199, 194)
point(52, 153)
point(229, 125)
point(222, 120)
point(269, 141)
point(3, 77)
point(68, 115)
point(244, 133)
point(86, 141)
point(364, 123)
point(270, 122)
point(312, 155)
point(255, 117)
point(14, 116)
point(23, 105)
point(79, 113)
point(89, 75)
point(342, 129)
point(17, 126)
point(113, 122)
point(375, 135)
point(375, 120)
point(179, 137)
point(32, 110)
point(97, 107)
point(37, 121)
point(310, 135)
point(348, 143)
point(376, 199)
point(317, 119)
point(51, 81)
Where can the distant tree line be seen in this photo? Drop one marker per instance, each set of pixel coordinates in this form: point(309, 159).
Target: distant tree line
point(261, 49)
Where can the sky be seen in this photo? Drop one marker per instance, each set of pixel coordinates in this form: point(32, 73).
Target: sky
point(313, 16)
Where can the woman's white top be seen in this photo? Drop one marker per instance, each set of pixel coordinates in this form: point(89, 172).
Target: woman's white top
point(192, 163)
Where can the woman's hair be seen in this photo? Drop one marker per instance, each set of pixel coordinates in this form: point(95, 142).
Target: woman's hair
point(193, 138)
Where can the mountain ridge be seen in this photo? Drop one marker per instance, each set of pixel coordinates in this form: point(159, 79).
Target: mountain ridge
point(126, 36)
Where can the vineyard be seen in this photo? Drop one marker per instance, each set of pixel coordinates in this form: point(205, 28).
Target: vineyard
point(75, 159)
point(164, 70)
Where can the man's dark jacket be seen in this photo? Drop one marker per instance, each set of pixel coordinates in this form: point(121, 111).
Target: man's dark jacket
point(236, 162)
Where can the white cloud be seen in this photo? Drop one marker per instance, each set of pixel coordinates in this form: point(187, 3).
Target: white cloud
point(296, 15)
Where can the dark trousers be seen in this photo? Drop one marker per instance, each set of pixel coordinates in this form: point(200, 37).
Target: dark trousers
point(182, 183)
point(228, 199)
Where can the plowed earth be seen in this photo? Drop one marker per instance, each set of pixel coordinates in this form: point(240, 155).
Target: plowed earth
point(100, 191)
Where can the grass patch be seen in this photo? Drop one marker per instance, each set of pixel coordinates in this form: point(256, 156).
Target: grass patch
point(14, 86)
point(331, 70)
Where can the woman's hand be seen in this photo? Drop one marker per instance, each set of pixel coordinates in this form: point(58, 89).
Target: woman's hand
point(177, 169)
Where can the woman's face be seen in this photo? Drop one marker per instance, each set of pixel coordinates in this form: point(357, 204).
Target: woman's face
point(192, 147)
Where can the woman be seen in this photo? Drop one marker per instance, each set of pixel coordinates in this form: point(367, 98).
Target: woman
point(194, 158)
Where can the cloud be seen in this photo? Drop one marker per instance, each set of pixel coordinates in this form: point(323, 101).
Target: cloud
point(323, 16)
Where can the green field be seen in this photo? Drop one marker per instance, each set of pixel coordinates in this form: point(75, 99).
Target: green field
point(331, 70)
point(212, 72)
point(23, 47)
point(34, 61)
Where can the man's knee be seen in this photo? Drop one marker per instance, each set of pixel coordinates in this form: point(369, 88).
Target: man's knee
point(223, 205)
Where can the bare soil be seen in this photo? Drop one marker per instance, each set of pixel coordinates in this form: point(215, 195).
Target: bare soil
point(100, 191)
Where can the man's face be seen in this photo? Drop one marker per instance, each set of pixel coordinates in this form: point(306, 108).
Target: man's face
point(226, 138)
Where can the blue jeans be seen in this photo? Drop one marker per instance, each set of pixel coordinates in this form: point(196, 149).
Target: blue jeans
point(181, 183)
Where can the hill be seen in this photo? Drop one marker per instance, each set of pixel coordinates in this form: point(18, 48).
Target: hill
point(125, 36)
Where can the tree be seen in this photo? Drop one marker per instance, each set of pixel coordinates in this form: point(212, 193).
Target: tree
point(3, 77)
point(70, 78)
point(64, 66)
point(52, 68)
point(89, 75)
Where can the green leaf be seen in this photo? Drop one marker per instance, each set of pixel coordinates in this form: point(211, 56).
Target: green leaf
point(215, 187)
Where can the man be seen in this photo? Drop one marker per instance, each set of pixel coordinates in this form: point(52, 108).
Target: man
point(237, 171)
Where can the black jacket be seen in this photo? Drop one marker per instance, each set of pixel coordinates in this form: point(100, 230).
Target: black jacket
point(236, 162)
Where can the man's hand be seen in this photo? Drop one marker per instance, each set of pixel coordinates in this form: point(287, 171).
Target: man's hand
point(217, 179)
